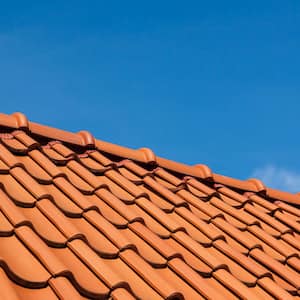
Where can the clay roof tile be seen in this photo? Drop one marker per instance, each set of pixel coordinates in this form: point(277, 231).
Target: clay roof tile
point(81, 218)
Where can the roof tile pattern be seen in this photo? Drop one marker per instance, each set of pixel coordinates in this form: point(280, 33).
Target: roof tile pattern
point(82, 223)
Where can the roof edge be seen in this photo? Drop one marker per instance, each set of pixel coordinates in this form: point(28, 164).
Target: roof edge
point(84, 138)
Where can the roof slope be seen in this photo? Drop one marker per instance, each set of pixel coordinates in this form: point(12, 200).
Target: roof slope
point(84, 219)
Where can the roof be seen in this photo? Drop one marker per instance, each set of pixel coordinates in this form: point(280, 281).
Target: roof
point(81, 218)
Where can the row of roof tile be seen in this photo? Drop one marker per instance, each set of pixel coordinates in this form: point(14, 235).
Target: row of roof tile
point(144, 155)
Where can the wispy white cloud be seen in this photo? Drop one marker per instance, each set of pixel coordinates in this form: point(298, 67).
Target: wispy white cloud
point(278, 178)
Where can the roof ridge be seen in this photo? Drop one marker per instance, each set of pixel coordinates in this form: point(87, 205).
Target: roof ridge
point(85, 139)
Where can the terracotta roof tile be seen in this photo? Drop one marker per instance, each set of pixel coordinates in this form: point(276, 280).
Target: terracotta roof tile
point(64, 290)
point(82, 218)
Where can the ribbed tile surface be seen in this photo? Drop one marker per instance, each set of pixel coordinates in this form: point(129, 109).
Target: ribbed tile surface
point(81, 224)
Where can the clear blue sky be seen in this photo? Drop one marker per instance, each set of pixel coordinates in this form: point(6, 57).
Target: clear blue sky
point(213, 82)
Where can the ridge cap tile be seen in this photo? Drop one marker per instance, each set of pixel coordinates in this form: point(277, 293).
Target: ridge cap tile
point(207, 173)
point(258, 183)
point(21, 120)
point(149, 155)
point(87, 138)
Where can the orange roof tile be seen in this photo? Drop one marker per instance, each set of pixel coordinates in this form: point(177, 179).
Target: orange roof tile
point(81, 218)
